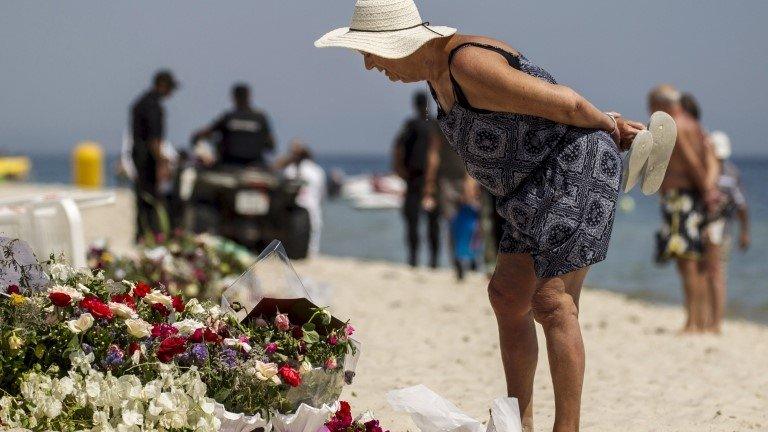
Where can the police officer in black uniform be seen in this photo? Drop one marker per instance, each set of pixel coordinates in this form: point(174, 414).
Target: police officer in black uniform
point(244, 133)
point(148, 130)
point(410, 163)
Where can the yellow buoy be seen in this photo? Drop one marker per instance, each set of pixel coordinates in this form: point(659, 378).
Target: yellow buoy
point(87, 165)
point(14, 167)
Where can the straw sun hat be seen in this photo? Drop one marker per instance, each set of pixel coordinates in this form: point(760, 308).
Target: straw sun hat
point(387, 28)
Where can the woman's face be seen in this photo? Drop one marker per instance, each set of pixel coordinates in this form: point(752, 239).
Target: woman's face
point(395, 69)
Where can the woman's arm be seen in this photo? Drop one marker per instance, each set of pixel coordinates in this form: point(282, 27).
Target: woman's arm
point(489, 83)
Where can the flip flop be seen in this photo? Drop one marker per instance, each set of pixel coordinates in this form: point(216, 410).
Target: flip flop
point(664, 131)
point(635, 160)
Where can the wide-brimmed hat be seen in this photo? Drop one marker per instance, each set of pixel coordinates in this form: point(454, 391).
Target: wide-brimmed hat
point(386, 28)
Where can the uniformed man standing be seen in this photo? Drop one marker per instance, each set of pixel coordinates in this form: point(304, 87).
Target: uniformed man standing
point(244, 133)
point(152, 168)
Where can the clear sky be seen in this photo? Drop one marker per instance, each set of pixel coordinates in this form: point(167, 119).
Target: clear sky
point(69, 69)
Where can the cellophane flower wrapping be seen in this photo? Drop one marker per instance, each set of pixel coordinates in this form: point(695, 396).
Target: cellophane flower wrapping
point(273, 283)
point(307, 418)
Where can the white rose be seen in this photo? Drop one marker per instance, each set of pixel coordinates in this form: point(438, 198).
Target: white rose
point(194, 307)
point(121, 310)
point(74, 294)
point(305, 367)
point(267, 371)
point(82, 324)
point(237, 343)
point(138, 328)
point(188, 326)
point(156, 296)
point(60, 272)
point(83, 288)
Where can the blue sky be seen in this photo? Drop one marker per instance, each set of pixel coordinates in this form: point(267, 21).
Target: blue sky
point(68, 70)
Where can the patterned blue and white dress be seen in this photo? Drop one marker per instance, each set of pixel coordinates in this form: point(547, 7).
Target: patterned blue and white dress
point(555, 185)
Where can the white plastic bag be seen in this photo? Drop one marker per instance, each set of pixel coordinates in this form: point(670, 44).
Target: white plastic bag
point(305, 419)
point(432, 413)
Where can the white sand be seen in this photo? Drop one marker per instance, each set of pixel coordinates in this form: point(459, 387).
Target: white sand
point(422, 327)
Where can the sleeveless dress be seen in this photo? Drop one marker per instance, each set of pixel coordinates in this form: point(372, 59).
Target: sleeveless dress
point(555, 185)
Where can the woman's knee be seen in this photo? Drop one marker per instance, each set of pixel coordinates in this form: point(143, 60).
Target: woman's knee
point(551, 305)
point(507, 298)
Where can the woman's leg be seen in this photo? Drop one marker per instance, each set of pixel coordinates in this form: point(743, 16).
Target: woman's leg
point(555, 307)
point(510, 291)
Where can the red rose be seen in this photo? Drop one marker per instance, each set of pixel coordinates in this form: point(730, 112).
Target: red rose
point(178, 304)
point(133, 347)
point(13, 289)
point(97, 308)
point(342, 419)
point(141, 289)
point(170, 348)
point(163, 331)
point(60, 299)
point(290, 375)
point(125, 299)
point(205, 335)
point(161, 309)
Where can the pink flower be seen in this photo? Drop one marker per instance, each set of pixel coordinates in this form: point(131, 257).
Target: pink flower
point(282, 322)
point(271, 348)
point(349, 330)
point(330, 363)
point(333, 340)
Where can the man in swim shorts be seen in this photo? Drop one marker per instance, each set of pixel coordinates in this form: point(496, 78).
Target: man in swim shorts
point(688, 193)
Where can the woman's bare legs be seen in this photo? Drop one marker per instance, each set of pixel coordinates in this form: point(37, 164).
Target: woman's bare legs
point(510, 291)
point(518, 298)
point(555, 307)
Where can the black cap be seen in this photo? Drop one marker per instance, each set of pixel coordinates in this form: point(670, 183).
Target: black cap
point(165, 76)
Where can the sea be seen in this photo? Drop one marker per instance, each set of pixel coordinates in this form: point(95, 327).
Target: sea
point(629, 268)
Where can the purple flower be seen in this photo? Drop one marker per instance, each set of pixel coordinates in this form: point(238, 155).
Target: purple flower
point(115, 356)
point(271, 348)
point(87, 349)
point(200, 353)
point(229, 357)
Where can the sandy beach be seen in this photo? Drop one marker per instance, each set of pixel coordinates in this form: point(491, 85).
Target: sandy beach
point(423, 327)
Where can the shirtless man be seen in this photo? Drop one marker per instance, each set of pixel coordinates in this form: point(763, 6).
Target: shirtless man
point(687, 194)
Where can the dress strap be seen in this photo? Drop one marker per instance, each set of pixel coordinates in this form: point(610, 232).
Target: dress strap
point(458, 93)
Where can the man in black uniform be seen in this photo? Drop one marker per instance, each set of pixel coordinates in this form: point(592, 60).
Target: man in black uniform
point(410, 163)
point(244, 134)
point(148, 131)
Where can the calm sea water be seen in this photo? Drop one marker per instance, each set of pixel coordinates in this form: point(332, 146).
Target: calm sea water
point(378, 235)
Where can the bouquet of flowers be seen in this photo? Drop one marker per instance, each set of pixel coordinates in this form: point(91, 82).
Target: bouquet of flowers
point(196, 265)
point(342, 422)
point(167, 362)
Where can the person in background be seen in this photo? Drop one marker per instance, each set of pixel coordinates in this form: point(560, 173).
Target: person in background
point(244, 133)
point(733, 205)
point(409, 161)
point(688, 193)
point(298, 164)
point(147, 122)
point(446, 187)
point(492, 228)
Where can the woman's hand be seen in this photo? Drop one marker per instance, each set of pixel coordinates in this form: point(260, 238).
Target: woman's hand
point(627, 130)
